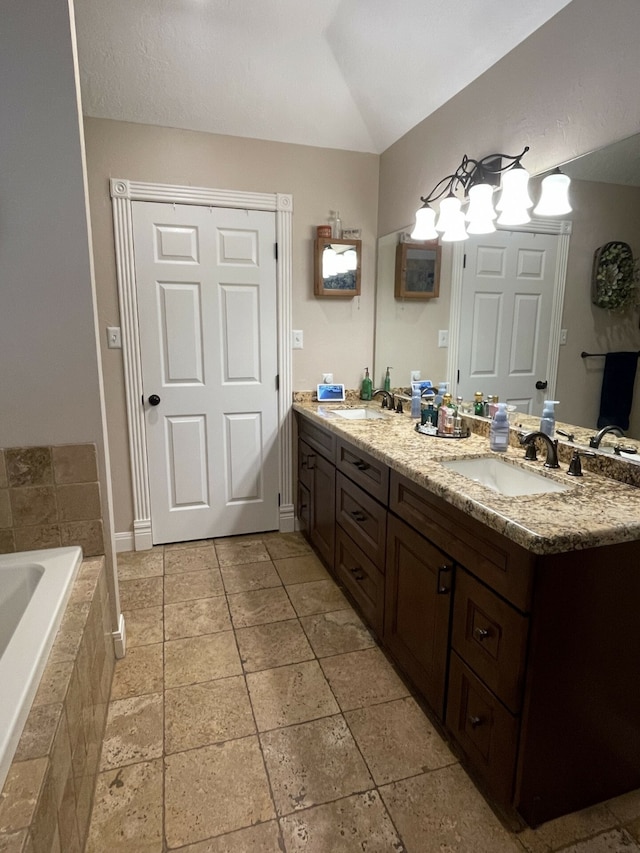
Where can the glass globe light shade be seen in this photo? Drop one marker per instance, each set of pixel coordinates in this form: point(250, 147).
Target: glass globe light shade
point(449, 211)
point(554, 198)
point(481, 226)
point(351, 259)
point(456, 230)
point(514, 216)
point(425, 224)
point(515, 190)
point(480, 203)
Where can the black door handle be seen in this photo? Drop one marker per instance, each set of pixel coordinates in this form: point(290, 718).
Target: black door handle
point(540, 385)
point(154, 400)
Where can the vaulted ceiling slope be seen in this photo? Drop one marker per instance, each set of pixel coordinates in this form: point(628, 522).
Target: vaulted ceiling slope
point(350, 74)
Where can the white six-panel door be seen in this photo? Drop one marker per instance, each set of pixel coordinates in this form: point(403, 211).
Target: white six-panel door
point(206, 290)
point(507, 298)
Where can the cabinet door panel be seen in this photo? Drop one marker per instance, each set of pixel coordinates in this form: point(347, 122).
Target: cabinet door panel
point(323, 503)
point(418, 593)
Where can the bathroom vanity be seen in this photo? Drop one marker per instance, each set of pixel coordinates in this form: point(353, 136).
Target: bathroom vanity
point(517, 619)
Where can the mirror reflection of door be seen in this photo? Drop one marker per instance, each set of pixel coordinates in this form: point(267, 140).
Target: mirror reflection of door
point(507, 304)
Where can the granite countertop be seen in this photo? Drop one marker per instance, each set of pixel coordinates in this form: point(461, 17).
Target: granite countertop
point(596, 509)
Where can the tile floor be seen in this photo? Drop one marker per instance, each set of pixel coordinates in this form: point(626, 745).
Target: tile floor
point(254, 713)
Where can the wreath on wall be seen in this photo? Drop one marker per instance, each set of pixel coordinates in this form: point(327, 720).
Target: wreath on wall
point(614, 281)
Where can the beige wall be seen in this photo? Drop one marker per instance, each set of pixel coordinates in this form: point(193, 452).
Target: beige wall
point(337, 333)
point(568, 89)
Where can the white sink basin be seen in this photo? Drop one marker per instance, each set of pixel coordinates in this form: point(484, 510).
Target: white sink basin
point(360, 414)
point(504, 478)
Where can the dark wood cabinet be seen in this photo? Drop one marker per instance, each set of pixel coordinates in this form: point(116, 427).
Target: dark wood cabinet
point(361, 578)
point(316, 497)
point(418, 597)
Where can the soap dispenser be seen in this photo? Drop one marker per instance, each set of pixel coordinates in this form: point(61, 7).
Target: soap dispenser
point(499, 429)
point(387, 380)
point(548, 419)
point(367, 386)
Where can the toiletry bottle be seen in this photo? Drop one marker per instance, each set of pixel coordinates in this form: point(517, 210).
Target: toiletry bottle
point(415, 399)
point(457, 425)
point(387, 380)
point(431, 417)
point(478, 405)
point(336, 226)
point(548, 419)
point(499, 429)
point(367, 386)
point(442, 390)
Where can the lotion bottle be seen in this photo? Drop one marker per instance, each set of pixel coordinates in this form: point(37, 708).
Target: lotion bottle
point(548, 419)
point(416, 399)
point(499, 429)
point(367, 386)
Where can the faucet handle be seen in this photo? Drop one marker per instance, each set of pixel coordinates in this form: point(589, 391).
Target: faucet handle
point(568, 435)
point(531, 452)
point(575, 466)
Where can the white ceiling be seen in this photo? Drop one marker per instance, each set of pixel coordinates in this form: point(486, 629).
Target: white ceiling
point(350, 74)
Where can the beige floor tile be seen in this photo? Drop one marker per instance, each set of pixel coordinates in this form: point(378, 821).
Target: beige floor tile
point(615, 841)
point(194, 559)
point(442, 810)
point(193, 618)
point(133, 732)
point(215, 789)
point(362, 678)
point(316, 597)
point(263, 838)
point(274, 644)
point(626, 807)
point(336, 633)
point(283, 545)
point(194, 543)
point(353, 824)
point(139, 672)
point(191, 586)
point(144, 626)
point(233, 552)
point(140, 592)
point(397, 740)
point(140, 564)
point(301, 569)
point(313, 763)
point(248, 576)
point(290, 694)
point(197, 659)
point(259, 607)
point(127, 811)
point(202, 714)
point(567, 829)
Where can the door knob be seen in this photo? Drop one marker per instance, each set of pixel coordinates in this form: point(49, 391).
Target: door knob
point(540, 385)
point(154, 400)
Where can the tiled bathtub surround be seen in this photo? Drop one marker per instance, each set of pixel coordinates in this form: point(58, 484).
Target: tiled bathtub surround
point(46, 800)
point(50, 496)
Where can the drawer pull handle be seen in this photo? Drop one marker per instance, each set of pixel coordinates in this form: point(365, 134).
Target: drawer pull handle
point(357, 573)
point(360, 465)
point(481, 633)
point(308, 462)
point(357, 515)
point(444, 588)
point(474, 722)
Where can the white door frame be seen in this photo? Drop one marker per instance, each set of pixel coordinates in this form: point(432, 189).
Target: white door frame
point(123, 193)
point(537, 226)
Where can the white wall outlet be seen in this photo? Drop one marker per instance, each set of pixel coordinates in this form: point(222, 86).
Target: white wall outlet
point(415, 376)
point(297, 339)
point(443, 338)
point(114, 337)
point(327, 378)
point(563, 336)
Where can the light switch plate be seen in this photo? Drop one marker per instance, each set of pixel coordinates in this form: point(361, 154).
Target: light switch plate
point(114, 337)
point(327, 378)
point(297, 339)
point(443, 338)
point(563, 336)
point(415, 376)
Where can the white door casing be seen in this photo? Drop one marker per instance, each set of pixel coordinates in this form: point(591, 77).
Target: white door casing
point(522, 296)
point(124, 193)
point(208, 342)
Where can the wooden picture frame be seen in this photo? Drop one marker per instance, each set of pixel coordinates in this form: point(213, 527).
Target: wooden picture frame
point(417, 270)
point(340, 283)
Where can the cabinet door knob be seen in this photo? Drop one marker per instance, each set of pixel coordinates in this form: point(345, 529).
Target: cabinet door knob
point(360, 465)
point(474, 722)
point(357, 573)
point(481, 633)
point(357, 515)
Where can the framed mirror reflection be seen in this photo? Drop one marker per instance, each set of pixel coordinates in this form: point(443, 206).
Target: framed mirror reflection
point(337, 266)
point(417, 270)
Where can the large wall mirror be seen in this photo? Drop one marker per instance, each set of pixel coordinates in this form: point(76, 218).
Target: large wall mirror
point(605, 195)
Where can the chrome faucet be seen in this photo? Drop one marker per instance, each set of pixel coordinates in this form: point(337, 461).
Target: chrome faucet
point(552, 447)
point(595, 440)
point(387, 399)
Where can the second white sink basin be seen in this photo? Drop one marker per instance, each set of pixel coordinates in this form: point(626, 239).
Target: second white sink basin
point(504, 478)
point(360, 414)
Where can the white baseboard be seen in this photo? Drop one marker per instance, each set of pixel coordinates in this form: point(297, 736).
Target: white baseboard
point(124, 542)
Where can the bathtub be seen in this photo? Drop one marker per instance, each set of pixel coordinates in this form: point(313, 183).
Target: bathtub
point(34, 589)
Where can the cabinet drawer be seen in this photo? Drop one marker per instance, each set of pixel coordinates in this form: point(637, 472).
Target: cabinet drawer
point(369, 473)
point(363, 580)
point(306, 460)
point(491, 637)
point(319, 439)
point(500, 563)
point(362, 518)
point(483, 728)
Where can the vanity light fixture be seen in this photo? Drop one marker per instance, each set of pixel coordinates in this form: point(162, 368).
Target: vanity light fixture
point(476, 181)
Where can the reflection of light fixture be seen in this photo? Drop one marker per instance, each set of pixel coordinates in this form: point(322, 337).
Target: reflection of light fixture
point(478, 179)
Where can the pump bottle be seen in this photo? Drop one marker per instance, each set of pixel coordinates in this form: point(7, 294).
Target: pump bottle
point(367, 386)
point(548, 419)
point(387, 380)
point(499, 429)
